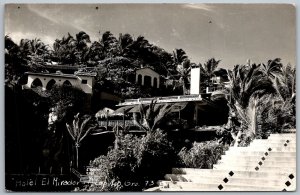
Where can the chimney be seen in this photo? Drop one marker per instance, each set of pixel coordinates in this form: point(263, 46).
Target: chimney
point(195, 80)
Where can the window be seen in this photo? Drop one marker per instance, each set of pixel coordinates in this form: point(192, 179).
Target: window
point(155, 83)
point(147, 81)
point(50, 84)
point(84, 81)
point(139, 79)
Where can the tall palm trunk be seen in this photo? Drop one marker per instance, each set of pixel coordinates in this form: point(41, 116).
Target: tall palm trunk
point(184, 89)
point(77, 155)
point(253, 118)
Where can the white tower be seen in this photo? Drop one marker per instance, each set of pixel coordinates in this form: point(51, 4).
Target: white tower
point(195, 80)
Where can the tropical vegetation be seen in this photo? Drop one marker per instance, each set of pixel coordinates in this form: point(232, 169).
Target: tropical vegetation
point(136, 164)
point(256, 97)
point(261, 99)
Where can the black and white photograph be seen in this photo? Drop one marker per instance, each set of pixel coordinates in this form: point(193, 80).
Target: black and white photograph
point(160, 97)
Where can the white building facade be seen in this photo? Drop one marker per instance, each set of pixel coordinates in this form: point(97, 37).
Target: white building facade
point(147, 77)
point(83, 81)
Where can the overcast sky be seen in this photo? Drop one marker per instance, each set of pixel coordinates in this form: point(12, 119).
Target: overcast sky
point(232, 33)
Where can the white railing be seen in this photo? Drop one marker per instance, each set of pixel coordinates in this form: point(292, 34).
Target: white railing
point(181, 98)
point(113, 123)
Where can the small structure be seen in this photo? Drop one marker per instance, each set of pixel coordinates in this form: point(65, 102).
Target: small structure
point(81, 80)
point(147, 77)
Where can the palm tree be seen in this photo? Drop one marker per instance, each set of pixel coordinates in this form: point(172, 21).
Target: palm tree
point(110, 44)
point(81, 53)
point(272, 68)
point(15, 65)
point(95, 52)
point(208, 70)
point(35, 53)
point(79, 129)
point(125, 42)
point(183, 68)
point(210, 66)
point(184, 71)
point(286, 96)
point(248, 86)
point(151, 116)
point(64, 50)
point(179, 56)
point(285, 83)
point(141, 51)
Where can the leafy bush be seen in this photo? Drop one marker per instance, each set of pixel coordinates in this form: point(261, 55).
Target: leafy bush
point(136, 164)
point(225, 134)
point(247, 137)
point(202, 155)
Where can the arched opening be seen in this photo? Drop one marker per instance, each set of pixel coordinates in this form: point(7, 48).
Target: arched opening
point(147, 81)
point(139, 81)
point(36, 83)
point(50, 84)
point(67, 84)
point(155, 83)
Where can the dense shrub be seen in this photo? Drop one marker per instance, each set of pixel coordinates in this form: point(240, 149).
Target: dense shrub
point(202, 155)
point(136, 163)
point(246, 138)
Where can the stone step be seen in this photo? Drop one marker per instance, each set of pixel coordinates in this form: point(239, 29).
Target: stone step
point(262, 149)
point(280, 137)
point(283, 135)
point(257, 167)
point(257, 181)
point(228, 189)
point(230, 172)
point(267, 163)
point(237, 174)
point(266, 145)
point(277, 140)
point(235, 158)
point(285, 138)
point(274, 141)
point(193, 186)
point(258, 153)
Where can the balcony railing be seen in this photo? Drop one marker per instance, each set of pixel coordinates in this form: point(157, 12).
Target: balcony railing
point(180, 98)
point(113, 123)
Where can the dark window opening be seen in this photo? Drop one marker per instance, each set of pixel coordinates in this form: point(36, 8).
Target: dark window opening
point(67, 83)
point(84, 81)
point(36, 83)
point(155, 83)
point(50, 84)
point(139, 79)
point(147, 81)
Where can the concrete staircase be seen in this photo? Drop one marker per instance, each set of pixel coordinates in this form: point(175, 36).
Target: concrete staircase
point(266, 165)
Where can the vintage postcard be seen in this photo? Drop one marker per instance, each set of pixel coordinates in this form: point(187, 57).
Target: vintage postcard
point(150, 97)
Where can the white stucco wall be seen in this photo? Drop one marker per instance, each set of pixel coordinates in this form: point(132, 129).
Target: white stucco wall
point(75, 81)
point(195, 81)
point(148, 72)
